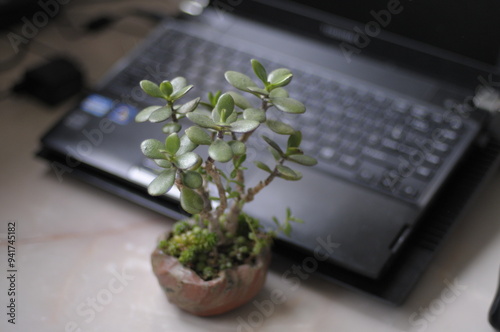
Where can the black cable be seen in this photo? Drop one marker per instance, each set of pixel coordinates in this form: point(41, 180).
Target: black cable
point(103, 21)
point(92, 26)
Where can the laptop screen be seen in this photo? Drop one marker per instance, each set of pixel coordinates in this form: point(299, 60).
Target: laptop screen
point(467, 31)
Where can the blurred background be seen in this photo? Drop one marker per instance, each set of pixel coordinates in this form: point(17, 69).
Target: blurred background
point(92, 35)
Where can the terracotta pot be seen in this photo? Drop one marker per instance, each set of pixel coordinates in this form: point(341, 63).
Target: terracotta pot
point(231, 289)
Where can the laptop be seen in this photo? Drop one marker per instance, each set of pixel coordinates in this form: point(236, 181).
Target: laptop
point(389, 87)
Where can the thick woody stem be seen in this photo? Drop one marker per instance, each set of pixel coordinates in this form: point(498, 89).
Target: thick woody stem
point(236, 207)
point(212, 171)
point(207, 205)
point(232, 217)
point(235, 210)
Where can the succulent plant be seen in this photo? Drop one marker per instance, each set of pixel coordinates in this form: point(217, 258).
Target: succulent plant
point(221, 234)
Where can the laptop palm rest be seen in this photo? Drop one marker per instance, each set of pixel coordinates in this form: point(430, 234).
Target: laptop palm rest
point(358, 229)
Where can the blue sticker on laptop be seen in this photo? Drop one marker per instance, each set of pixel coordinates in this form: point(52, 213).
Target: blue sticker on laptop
point(97, 105)
point(122, 114)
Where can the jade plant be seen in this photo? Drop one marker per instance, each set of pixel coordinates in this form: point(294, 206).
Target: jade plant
point(220, 235)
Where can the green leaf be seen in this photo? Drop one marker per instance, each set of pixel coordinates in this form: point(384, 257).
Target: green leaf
point(297, 220)
point(278, 93)
point(166, 88)
point(302, 159)
point(238, 147)
point(191, 201)
point(234, 194)
point(290, 217)
point(198, 136)
point(263, 166)
point(151, 148)
point(163, 163)
point(239, 100)
point(239, 81)
point(172, 144)
point(258, 90)
point(280, 127)
point(259, 71)
point(232, 118)
point(171, 127)
point(273, 144)
point(287, 173)
point(201, 120)
point(287, 228)
point(163, 183)
point(192, 179)
point(280, 77)
point(188, 160)
point(294, 140)
point(179, 94)
point(220, 151)
point(276, 154)
point(288, 105)
point(213, 98)
point(144, 114)
point(223, 109)
point(178, 83)
point(161, 114)
point(240, 160)
point(244, 126)
point(254, 114)
point(189, 106)
point(151, 89)
point(186, 145)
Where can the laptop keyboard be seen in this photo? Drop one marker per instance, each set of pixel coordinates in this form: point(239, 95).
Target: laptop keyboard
point(369, 137)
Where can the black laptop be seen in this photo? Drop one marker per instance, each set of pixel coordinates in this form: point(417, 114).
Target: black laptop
point(389, 87)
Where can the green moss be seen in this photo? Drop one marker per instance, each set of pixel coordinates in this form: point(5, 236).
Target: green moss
point(196, 247)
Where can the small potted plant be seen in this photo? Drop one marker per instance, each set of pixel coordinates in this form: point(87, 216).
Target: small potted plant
point(218, 259)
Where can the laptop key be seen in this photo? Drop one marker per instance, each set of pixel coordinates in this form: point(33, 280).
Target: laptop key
point(420, 112)
point(401, 105)
point(424, 172)
point(390, 181)
point(448, 134)
point(348, 161)
point(409, 190)
point(390, 144)
point(327, 153)
point(411, 187)
point(380, 157)
point(433, 160)
point(366, 175)
point(397, 132)
point(420, 125)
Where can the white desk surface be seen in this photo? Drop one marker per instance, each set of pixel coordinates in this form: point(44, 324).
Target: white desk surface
point(82, 255)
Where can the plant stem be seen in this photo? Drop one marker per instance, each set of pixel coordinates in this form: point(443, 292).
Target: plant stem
point(212, 171)
point(251, 192)
point(237, 207)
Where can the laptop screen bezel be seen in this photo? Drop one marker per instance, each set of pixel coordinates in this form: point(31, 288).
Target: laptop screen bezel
point(307, 20)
